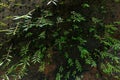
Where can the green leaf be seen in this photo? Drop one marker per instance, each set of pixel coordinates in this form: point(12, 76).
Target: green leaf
point(85, 5)
point(70, 62)
point(78, 65)
point(96, 20)
point(42, 35)
point(77, 17)
point(58, 76)
point(37, 57)
point(84, 52)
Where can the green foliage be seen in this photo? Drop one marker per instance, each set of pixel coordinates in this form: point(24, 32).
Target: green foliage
point(117, 0)
point(35, 41)
point(3, 5)
point(2, 24)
